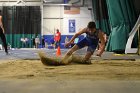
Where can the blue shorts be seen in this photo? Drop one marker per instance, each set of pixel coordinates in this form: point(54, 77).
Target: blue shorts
point(91, 43)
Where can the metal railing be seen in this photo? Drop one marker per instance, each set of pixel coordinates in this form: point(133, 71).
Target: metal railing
point(128, 48)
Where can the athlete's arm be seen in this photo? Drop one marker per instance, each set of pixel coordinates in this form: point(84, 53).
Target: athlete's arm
point(102, 39)
point(75, 36)
point(1, 25)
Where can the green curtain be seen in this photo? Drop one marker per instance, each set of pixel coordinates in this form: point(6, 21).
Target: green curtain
point(122, 18)
point(101, 15)
point(116, 18)
point(21, 22)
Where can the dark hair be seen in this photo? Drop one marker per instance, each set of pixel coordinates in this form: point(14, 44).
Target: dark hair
point(91, 25)
point(57, 30)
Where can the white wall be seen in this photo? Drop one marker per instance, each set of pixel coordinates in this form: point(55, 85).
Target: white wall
point(14, 3)
point(54, 17)
point(81, 20)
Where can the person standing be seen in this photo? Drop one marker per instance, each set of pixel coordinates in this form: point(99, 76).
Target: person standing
point(57, 38)
point(2, 35)
point(33, 42)
point(66, 40)
point(37, 42)
point(43, 42)
point(46, 42)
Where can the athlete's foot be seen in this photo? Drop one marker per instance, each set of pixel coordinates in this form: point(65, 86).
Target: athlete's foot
point(7, 53)
point(86, 62)
point(64, 61)
point(67, 60)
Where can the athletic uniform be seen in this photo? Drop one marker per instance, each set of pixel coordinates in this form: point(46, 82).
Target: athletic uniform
point(91, 40)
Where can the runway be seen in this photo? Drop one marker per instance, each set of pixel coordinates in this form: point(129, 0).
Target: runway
point(31, 53)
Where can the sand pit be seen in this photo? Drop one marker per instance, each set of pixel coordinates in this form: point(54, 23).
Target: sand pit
point(98, 70)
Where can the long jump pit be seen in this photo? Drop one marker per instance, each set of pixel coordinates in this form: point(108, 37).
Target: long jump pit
point(99, 70)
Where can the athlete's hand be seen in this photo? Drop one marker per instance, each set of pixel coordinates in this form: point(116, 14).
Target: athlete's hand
point(68, 44)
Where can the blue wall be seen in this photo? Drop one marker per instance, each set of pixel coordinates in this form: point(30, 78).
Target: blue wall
point(49, 37)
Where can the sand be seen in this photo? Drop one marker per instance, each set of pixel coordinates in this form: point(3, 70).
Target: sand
point(98, 70)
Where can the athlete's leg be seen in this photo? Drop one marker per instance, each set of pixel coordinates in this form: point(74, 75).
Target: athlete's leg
point(69, 53)
point(3, 38)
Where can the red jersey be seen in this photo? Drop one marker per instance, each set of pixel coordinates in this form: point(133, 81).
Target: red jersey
point(57, 36)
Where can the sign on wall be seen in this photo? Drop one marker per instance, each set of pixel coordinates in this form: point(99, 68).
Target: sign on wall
point(71, 10)
point(72, 26)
